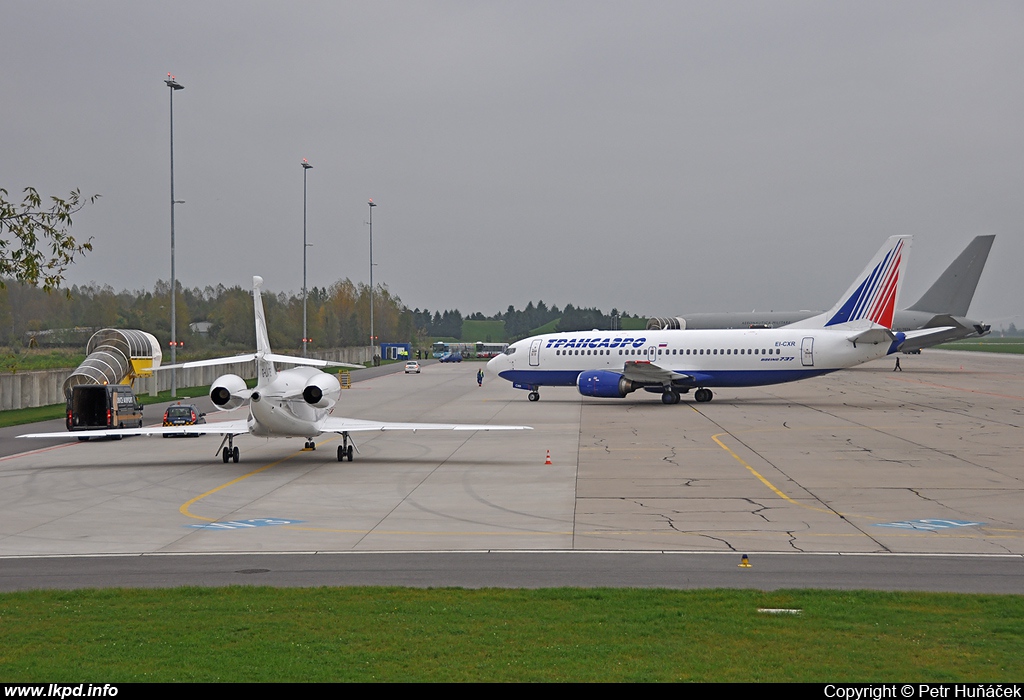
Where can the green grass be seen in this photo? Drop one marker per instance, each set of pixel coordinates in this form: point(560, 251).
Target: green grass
point(548, 327)
point(633, 324)
point(18, 360)
point(243, 634)
point(987, 344)
point(486, 331)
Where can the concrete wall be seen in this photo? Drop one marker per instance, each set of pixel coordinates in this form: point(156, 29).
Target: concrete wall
point(45, 387)
point(28, 389)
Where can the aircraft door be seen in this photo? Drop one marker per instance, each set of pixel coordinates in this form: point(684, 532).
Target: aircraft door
point(652, 353)
point(807, 352)
point(535, 353)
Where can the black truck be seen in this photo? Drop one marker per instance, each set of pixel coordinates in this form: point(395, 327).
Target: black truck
point(100, 406)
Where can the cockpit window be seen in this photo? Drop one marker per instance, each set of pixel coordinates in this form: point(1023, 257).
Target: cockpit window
point(510, 351)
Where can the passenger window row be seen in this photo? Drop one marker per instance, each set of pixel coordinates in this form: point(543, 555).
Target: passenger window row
point(679, 351)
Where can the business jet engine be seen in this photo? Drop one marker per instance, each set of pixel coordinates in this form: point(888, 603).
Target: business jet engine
point(228, 392)
point(322, 390)
point(602, 383)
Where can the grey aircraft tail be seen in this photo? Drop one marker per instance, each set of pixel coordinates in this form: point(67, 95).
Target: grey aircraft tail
point(953, 291)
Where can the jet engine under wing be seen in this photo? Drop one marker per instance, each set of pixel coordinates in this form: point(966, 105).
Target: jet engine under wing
point(353, 425)
point(650, 373)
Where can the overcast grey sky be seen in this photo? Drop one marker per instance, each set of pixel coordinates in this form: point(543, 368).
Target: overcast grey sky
point(659, 157)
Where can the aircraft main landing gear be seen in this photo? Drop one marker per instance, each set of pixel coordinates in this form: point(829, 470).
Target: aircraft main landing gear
point(703, 395)
point(345, 449)
point(230, 452)
point(534, 396)
point(670, 397)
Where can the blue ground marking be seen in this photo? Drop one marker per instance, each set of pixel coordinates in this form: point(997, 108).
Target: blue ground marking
point(244, 524)
point(929, 524)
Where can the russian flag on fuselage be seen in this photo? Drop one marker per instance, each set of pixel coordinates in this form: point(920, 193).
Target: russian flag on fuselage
point(875, 298)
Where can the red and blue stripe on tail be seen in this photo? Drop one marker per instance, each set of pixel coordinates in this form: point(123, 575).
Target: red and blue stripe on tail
point(873, 296)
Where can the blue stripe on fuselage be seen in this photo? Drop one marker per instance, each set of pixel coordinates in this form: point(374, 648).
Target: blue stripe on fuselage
point(702, 378)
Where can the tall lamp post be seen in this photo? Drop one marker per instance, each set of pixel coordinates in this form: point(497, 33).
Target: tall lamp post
point(372, 338)
point(174, 85)
point(305, 335)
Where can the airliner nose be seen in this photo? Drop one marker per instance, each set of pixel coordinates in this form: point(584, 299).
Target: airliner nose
point(496, 363)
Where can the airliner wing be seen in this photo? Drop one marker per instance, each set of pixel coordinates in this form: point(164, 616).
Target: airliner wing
point(650, 373)
point(227, 427)
point(354, 425)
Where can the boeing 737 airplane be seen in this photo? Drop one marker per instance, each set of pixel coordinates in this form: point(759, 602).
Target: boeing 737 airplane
point(944, 304)
point(612, 364)
point(289, 403)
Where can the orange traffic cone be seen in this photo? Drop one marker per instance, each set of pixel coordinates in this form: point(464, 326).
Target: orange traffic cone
point(547, 460)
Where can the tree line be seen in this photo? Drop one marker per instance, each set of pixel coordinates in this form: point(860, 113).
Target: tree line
point(518, 323)
point(220, 318)
point(338, 315)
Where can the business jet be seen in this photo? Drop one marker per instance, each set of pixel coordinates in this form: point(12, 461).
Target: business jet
point(612, 364)
point(289, 403)
point(946, 303)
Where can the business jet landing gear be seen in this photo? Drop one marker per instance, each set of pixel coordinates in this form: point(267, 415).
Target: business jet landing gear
point(229, 453)
point(534, 396)
point(670, 397)
point(345, 450)
point(703, 395)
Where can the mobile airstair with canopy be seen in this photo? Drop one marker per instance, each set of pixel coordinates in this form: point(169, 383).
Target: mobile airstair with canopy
point(116, 356)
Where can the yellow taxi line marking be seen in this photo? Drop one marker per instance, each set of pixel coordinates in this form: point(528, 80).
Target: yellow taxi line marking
point(184, 509)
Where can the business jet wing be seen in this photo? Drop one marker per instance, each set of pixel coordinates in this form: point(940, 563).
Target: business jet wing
point(249, 357)
point(226, 427)
point(353, 425)
point(650, 373)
